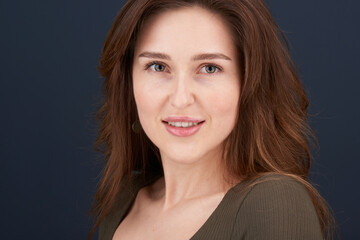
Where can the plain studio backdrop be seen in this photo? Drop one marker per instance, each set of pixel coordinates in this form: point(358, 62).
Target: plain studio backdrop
point(50, 89)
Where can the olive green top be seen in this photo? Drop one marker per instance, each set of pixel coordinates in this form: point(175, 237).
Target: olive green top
point(276, 207)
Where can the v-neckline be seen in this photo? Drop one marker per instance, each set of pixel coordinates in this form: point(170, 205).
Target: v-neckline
point(136, 188)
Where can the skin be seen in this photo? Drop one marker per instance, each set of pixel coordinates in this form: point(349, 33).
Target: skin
point(207, 89)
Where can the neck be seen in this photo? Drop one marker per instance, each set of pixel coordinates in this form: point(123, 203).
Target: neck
point(186, 181)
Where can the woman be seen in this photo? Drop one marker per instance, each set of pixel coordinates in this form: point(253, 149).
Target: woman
point(204, 127)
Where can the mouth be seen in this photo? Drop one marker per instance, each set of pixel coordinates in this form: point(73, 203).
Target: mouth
point(184, 128)
point(183, 124)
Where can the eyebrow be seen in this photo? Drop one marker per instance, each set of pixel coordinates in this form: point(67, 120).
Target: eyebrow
point(202, 56)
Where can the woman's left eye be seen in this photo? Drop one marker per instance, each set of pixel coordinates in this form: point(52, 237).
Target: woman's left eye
point(211, 69)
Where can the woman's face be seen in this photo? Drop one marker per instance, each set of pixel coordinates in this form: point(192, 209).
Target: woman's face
point(186, 83)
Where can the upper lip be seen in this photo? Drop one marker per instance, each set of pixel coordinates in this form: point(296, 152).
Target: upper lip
point(182, 119)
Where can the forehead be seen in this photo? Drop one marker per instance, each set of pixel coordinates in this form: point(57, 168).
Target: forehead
point(185, 30)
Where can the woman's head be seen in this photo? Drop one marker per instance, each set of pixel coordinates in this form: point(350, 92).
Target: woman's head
point(186, 73)
point(270, 129)
point(266, 110)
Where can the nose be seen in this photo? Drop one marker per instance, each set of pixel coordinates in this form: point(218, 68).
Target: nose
point(182, 95)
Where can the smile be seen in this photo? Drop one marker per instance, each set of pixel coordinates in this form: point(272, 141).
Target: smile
point(183, 124)
point(183, 129)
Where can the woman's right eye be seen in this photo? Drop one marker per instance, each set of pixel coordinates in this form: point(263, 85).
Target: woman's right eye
point(157, 67)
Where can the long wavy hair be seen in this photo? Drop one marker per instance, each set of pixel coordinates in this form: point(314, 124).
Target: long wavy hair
point(271, 134)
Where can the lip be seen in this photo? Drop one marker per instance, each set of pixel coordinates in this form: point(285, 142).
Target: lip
point(182, 119)
point(182, 132)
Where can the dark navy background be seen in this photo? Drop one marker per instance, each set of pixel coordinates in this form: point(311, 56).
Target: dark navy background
point(50, 88)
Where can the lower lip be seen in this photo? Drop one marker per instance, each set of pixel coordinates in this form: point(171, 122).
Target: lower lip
point(183, 132)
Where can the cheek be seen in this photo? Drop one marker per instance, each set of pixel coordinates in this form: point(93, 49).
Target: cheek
point(143, 100)
point(148, 101)
point(223, 105)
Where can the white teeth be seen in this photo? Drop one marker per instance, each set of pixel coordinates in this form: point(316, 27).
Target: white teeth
point(182, 124)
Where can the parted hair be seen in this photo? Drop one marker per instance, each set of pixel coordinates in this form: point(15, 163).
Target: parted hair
point(271, 134)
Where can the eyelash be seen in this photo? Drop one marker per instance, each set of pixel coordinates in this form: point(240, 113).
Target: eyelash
point(147, 66)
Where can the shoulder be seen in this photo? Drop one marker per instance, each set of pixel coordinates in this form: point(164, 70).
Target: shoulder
point(277, 207)
point(277, 187)
point(124, 197)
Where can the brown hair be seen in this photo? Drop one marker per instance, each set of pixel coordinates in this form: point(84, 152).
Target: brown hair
point(271, 133)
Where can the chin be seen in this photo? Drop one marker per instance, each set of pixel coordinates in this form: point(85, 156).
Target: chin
point(185, 154)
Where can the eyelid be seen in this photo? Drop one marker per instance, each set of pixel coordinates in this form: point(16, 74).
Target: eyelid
point(219, 69)
point(148, 65)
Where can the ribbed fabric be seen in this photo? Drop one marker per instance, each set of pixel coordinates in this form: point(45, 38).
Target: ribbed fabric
point(275, 208)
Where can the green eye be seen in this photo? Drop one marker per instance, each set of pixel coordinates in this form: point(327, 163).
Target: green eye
point(155, 66)
point(159, 68)
point(210, 69)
